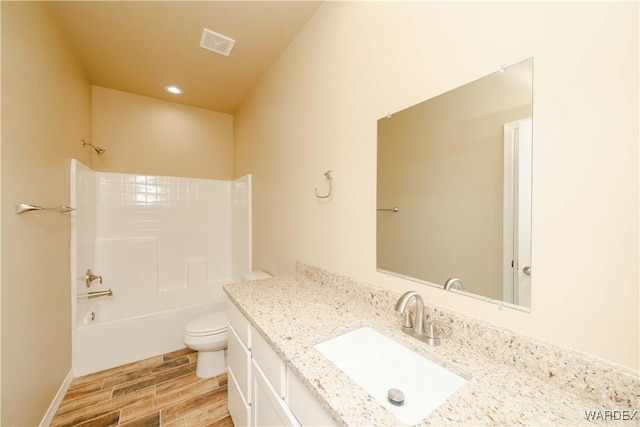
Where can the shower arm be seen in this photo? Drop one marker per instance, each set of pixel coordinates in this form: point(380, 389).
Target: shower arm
point(99, 151)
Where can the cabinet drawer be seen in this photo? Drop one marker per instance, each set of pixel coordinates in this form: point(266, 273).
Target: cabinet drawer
point(240, 324)
point(238, 408)
point(304, 406)
point(239, 359)
point(269, 362)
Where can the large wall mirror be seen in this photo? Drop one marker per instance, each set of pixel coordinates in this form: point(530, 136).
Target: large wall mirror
point(454, 189)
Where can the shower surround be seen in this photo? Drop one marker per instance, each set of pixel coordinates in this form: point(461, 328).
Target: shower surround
point(164, 246)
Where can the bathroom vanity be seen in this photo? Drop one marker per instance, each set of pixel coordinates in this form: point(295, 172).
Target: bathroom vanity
point(278, 377)
point(262, 389)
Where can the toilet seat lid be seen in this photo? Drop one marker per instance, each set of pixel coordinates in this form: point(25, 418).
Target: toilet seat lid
point(210, 324)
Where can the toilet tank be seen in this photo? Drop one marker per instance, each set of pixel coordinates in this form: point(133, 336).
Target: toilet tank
point(255, 275)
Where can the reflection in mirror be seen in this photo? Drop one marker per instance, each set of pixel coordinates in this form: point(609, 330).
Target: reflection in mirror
point(458, 169)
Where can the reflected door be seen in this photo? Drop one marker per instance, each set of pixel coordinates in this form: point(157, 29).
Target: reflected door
point(517, 213)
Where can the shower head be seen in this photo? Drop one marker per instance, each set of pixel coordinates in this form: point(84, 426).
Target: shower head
point(99, 151)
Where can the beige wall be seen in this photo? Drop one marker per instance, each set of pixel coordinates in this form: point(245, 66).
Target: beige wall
point(46, 104)
point(317, 107)
point(148, 136)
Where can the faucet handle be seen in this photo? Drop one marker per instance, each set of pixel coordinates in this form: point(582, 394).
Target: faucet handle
point(433, 337)
point(90, 277)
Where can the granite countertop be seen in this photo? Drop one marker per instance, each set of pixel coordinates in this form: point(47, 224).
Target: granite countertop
point(294, 313)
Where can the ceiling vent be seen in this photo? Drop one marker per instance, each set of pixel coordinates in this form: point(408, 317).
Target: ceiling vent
point(216, 42)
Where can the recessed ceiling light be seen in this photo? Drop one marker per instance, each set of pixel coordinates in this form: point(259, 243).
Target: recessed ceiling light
point(173, 89)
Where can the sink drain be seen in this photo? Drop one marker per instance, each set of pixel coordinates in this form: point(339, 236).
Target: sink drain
point(395, 397)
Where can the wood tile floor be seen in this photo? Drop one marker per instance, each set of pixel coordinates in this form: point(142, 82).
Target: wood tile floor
point(160, 391)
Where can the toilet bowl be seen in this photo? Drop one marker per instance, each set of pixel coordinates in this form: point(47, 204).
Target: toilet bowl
point(208, 336)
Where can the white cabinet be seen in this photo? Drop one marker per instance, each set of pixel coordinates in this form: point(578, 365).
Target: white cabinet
point(240, 324)
point(270, 363)
point(268, 408)
point(239, 360)
point(239, 409)
point(304, 406)
point(262, 391)
point(238, 367)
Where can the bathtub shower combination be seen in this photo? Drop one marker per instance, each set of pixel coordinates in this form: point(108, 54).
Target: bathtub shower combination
point(164, 247)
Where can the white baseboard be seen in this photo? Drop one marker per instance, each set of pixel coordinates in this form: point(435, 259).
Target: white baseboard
point(53, 408)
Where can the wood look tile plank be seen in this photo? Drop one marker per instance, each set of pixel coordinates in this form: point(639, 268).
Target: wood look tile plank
point(101, 375)
point(151, 420)
point(177, 383)
point(180, 422)
point(212, 413)
point(222, 379)
point(90, 412)
point(169, 399)
point(178, 353)
point(151, 380)
point(81, 390)
point(193, 405)
point(129, 376)
point(81, 401)
point(109, 420)
point(225, 422)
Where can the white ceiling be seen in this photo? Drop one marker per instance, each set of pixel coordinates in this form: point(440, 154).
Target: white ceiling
point(143, 46)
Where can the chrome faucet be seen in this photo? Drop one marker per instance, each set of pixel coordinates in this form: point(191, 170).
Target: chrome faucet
point(415, 328)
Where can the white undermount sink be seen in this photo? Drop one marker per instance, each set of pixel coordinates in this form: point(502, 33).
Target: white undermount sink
point(378, 363)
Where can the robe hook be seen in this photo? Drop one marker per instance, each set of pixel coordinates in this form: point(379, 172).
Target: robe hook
point(329, 177)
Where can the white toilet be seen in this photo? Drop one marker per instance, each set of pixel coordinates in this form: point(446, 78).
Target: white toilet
point(255, 275)
point(208, 336)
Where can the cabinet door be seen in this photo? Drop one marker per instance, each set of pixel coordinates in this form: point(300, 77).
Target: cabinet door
point(239, 360)
point(269, 362)
point(238, 408)
point(267, 408)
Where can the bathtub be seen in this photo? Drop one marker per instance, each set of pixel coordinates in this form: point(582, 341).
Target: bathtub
point(164, 246)
point(100, 343)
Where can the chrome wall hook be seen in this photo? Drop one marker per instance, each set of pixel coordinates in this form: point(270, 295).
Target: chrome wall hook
point(329, 177)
